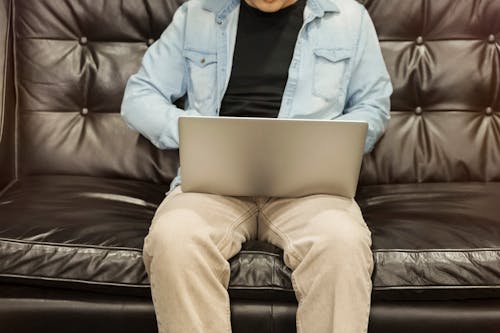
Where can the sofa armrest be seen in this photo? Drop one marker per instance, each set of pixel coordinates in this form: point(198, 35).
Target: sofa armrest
point(7, 97)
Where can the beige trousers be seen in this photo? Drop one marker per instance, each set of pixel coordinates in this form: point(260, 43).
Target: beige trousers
point(325, 240)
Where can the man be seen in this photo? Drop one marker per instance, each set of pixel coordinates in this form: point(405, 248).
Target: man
point(265, 58)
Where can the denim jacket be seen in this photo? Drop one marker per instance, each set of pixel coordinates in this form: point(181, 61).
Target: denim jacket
point(336, 72)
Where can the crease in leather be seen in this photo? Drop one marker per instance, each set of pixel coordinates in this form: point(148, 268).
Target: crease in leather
point(5, 15)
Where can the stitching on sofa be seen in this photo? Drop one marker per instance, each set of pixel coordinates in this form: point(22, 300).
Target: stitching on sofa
point(55, 249)
point(98, 251)
point(16, 91)
point(485, 249)
point(39, 277)
point(5, 65)
point(439, 250)
point(236, 287)
point(469, 286)
point(75, 246)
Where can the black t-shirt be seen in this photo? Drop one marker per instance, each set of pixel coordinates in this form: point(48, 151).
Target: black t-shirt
point(262, 55)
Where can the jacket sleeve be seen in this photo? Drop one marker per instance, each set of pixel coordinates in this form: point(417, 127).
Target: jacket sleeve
point(370, 88)
point(147, 105)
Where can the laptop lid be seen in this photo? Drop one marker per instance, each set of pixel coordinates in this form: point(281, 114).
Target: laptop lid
point(240, 156)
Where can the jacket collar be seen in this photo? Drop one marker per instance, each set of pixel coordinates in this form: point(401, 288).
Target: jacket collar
point(222, 7)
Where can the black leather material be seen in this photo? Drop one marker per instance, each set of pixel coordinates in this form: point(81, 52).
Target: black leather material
point(443, 60)
point(433, 241)
point(7, 98)
point(73, 60)
point(424, 44)
point(87, 186)
point(434, 235)
point(29, 309)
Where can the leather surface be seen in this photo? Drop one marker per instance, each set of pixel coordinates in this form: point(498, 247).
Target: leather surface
point(72, 73)
point(429, 240)
point(7, 98)
point(434, 240)
point(30, 309)
point(443, 59)
point(435, 234)
point(73, 62)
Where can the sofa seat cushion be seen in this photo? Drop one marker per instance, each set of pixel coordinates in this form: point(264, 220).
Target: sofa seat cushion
point(434, 239)
point(87, 233)
point(429, 240)
point(77, 231)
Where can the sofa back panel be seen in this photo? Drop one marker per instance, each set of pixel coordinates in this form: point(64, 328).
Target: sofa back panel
point(73, 60)
point(7, 97)
point(444, 61)
point(74, 57)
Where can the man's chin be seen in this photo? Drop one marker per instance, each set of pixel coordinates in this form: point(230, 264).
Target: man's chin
point(268, 6)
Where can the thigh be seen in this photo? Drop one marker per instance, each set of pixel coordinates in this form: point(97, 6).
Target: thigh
point(295, 224)
point(189, 214)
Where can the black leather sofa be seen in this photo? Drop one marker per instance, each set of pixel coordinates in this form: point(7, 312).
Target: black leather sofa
point(78, 188)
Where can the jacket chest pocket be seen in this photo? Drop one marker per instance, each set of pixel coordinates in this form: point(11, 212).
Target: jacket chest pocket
point(330, 68)
point(202, 72)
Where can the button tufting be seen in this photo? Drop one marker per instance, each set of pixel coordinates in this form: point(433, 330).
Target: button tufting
point(491, 38)
point(419, 40)
point(84, 111)
point(418, 110)
point(489, 111)
point(83, 40)
point(150, 41)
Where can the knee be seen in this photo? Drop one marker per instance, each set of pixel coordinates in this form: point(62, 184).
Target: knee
point(343, 236)
point(176, 235)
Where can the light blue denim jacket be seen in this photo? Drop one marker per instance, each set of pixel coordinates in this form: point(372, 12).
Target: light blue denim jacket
point(337, 70)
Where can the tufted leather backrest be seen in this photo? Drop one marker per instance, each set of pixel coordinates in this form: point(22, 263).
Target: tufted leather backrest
point(73, 58)
point(444, 60)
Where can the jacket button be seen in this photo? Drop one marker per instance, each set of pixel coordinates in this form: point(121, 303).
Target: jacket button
point(418, 110)
point(419, 40)
point(491, 38)
point(489, 111)
point(83, 40)
point(84, 111)
point(219, 21)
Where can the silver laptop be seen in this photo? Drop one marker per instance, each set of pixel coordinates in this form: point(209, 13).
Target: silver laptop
point(240, 156)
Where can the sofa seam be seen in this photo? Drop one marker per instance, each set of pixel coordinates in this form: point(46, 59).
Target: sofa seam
point(8, 186)
point(46, 278)
point(449, 250)
point(5, 66)
point(74, 246)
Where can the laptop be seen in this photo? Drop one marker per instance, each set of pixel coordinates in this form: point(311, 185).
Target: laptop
point(242, 156)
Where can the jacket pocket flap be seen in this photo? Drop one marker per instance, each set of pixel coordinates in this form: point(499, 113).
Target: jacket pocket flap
point(200, 58)
point(333, 55)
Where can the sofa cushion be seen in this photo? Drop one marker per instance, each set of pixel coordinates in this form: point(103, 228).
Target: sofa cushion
point(87, 233)
point(434, 239)
point(76, 230)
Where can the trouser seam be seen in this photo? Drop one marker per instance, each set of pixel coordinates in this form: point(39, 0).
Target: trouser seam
point(291, 249)
point(243, 218)
point(294, 253)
